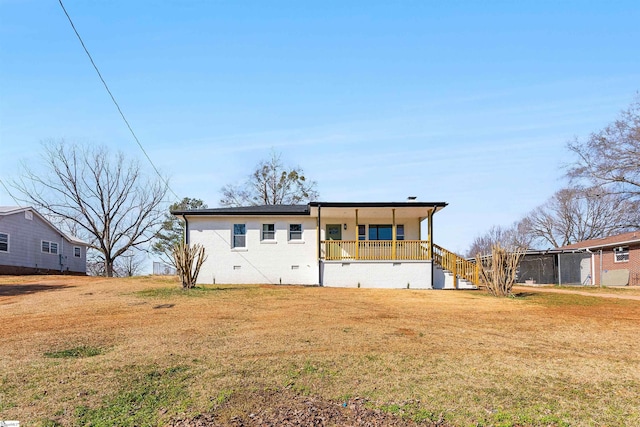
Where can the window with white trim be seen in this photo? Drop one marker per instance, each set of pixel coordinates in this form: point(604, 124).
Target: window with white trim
point(268, 231)
point(362, 232)
point(4, 242)
point(239, 235)
point(295, 231)
point(49, 247)
point(621, 254)
point(385, 232)
point(77, 252)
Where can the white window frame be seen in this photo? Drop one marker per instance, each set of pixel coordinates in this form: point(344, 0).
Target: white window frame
point(79, 250)
point(363, 236)
point(268, 232)
point(234, 243)
point(7, 242)
point(50, 246)
point(621, 254)
point(295, 233)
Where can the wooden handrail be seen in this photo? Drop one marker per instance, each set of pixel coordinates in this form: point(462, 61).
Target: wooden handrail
point(465, 269)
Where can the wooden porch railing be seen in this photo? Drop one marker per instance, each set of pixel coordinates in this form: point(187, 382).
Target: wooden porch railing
point(459, 267)
point(371, 250)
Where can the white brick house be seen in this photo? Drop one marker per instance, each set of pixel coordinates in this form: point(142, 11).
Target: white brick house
point(325, 243)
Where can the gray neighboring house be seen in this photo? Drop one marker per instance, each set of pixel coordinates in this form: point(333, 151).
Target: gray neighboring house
point(29, 244)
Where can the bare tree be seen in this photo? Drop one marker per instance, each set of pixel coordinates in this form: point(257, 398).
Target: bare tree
point(101, 198)
point(188, 260)
point(514, 236)
point(172, 229)
point(574, 214)
point(499, 270)
point(271, 183)
point(129, 264)
point(609, 160)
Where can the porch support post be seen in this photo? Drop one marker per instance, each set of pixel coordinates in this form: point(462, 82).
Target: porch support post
point(319, 248)
point(430, 233)
point(357, 237)
point(393, 234)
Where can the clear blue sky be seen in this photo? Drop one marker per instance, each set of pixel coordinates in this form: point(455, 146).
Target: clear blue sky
point(470, 103)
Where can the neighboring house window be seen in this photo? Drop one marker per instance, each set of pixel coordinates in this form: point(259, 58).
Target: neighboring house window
point(295, 231)
point(4, 242)
point(362, 232)
point(268, 231)
point(49, 247)
point(239, 235)
point(621, 254)
point(399, 232)
point(77, 252)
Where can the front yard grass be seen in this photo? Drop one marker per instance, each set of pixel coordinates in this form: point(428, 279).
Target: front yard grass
point(134, 352)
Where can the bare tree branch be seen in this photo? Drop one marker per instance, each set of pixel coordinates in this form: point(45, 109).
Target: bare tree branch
point(271, 184)
point(575, 214)
point(609, 160)
point(104, 199)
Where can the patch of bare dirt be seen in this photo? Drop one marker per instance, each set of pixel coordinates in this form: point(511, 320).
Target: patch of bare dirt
point(282, 408)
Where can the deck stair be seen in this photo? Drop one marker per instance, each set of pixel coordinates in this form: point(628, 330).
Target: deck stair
point(452, 271)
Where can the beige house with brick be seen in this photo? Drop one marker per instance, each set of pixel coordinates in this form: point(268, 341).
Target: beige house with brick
point(615, 260)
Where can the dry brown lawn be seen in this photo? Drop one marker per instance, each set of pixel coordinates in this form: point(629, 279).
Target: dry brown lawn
point(459, 357)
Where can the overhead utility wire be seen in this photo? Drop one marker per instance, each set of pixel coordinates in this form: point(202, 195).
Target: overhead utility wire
point(9, 192)
point(114, 100)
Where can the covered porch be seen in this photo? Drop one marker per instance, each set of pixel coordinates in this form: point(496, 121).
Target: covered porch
point(374, 244)
point(376, 231)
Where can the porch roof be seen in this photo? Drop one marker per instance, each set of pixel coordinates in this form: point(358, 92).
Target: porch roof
point(376, 209)
point(417, 209)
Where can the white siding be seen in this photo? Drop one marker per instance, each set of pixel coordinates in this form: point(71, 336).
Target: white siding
point(25, 245)
point(268, 262)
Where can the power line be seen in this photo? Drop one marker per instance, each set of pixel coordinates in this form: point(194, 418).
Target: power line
point(114, 100)
point(9, 193)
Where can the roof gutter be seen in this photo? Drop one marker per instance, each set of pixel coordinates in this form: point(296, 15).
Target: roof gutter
point(319, 234)
point(186, 229)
